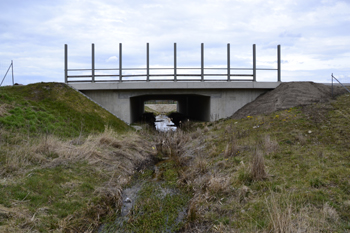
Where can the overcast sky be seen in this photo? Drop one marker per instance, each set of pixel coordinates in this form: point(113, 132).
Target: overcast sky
point(314, 35)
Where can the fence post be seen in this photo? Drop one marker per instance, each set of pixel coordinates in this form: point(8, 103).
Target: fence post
point(147, 48)
point(120, 63)
point(332, 84)
point(66, 63)
point(93, 62)
point(278, 63)
point(175, 64)
point(13, 78)
point(202, 62)
point(254, 62)
point(228, 63)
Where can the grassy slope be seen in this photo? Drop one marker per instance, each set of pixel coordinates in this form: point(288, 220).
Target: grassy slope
point(304, 178)
point(53, 184)
point(51, 179)
point(284, 172)
point(53, 108)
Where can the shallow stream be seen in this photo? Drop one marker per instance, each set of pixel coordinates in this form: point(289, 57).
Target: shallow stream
point(164, 123)
point(152, 203)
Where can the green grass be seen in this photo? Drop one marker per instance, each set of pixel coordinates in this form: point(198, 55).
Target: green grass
point(305, 149)
point(159, 202)
point(53, 108)
point(310, 168)
point(155, 212)
point(60, 191)
point(149, 110)
point(37, 123)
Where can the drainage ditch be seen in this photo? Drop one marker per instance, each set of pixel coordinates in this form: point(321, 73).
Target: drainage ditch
point(153, 201)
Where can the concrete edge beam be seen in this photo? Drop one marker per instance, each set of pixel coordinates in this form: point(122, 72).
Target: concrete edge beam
point(174, 85)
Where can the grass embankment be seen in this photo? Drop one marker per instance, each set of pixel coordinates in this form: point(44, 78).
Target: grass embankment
point(53, 108)
point(150, 110)
point(284, 172)
point(63, 160)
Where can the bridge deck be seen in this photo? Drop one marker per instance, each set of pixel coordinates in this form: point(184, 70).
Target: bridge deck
point(174, 85)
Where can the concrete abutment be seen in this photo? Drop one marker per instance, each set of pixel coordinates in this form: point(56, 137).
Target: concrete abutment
point(200, 101)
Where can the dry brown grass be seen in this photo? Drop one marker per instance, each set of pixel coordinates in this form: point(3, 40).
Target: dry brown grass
point(108, 150)
point(258, 171)
point(116, 156)
point(302, 139)
point(88, 219)
point(269, 145)
point(4, 109)
point(231, 148)
point(172, 144)
point(286, 216)
point(219, 184)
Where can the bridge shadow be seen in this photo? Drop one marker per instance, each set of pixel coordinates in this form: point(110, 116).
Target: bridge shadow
point(195, 107)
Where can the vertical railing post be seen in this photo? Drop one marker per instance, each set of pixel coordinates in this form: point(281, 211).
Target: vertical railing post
point(202, 62)
point(278, 63)
point(13, 78)
point(175, 63)
point(332, 84)
point(228, 63)
point(93, 63)
point(147, 48)
point(254, 62)
point(66, 63)
point(120, 63)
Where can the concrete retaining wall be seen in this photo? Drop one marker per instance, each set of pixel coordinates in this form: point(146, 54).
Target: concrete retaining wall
point(204, 105)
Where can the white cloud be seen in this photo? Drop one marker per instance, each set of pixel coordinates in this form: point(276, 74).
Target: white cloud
point(313, 34)
point(113, 58)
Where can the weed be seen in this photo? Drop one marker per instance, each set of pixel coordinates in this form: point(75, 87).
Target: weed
point(258, 166)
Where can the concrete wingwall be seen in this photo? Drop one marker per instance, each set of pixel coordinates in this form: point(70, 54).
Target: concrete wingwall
point(199, 104)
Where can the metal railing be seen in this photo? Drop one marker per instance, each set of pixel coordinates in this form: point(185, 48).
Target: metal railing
point(338, 82)
point(197, 74)
point(10, 67)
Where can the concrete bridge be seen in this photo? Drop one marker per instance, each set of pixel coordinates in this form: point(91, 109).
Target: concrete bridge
point(199, 97)
point(204, 101)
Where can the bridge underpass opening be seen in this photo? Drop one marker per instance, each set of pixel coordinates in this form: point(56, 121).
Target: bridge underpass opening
point(161, 106)
point(195, 107)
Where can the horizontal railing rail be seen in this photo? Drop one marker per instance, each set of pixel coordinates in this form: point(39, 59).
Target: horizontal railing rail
point(174, 73)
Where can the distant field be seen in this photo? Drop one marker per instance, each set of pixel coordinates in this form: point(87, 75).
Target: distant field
point(162, 108)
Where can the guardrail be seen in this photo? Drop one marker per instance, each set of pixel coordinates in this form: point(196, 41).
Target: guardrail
point(128, 74)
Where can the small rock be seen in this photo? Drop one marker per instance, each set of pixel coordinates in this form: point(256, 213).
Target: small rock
point(137, 128)
point(127, 200)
